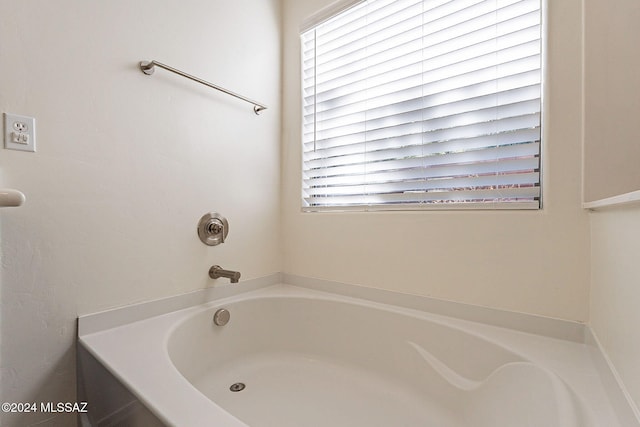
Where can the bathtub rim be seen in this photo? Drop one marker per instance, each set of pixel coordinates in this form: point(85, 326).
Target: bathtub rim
point(523, 322)
point(92, 324)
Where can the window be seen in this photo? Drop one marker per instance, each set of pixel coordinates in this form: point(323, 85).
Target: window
point(413, 104)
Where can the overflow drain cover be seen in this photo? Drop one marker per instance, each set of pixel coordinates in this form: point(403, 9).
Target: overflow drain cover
point(237, 387)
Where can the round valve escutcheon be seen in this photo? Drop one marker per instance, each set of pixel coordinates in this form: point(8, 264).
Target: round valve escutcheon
point(213, 229)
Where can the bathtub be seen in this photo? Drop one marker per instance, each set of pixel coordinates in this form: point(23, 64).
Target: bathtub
point(292, 356)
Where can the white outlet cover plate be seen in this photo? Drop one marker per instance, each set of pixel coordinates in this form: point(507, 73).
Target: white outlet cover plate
point(22, 128)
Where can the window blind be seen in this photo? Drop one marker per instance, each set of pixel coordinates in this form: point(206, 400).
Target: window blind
point(423, 104)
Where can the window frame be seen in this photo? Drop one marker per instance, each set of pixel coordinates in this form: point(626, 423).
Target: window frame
point(337, 8)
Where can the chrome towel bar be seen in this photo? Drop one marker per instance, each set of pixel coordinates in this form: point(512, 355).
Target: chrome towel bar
point(147, 67)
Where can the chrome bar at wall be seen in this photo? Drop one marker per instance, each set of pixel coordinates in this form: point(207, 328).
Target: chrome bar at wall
point(147, 67)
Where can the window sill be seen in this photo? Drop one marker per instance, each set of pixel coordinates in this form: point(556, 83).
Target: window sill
point(620, 200)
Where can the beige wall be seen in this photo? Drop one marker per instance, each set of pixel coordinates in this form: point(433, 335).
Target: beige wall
point(612, 156)
point(615, 291)
point(533, 262)
point(612, 98)
point(126, 166)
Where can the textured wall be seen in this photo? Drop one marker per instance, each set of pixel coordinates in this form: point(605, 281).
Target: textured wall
point(615, 292)
point(126, 165)
point(533, 262)
point(612, 154)
point(612, 101)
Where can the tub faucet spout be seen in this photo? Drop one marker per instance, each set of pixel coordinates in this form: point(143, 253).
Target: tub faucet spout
point(215, 272)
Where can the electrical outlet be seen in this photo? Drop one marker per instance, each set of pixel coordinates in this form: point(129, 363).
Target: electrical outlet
point(19, 132)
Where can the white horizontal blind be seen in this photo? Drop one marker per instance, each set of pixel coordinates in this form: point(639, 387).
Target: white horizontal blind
point(423, 103)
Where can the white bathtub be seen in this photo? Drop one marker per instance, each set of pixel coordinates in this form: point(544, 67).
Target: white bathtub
point(310, 358)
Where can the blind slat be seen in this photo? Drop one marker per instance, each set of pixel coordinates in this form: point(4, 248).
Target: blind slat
point(440, 171)
point(434, 118)
point(414, 109)
point(405, 147)
point(412, 130)
point(515, 180)
point(414, 95)
point(460, 196)
point(482, 155)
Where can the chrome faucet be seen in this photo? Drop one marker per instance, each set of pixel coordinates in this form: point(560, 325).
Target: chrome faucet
point(216, 272)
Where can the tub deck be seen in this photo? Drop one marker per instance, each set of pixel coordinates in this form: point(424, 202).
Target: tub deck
point(181, 367)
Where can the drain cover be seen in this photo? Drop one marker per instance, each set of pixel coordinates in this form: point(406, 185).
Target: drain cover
point(237, 387)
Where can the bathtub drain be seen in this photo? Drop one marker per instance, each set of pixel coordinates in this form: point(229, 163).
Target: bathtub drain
point(237, 387)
